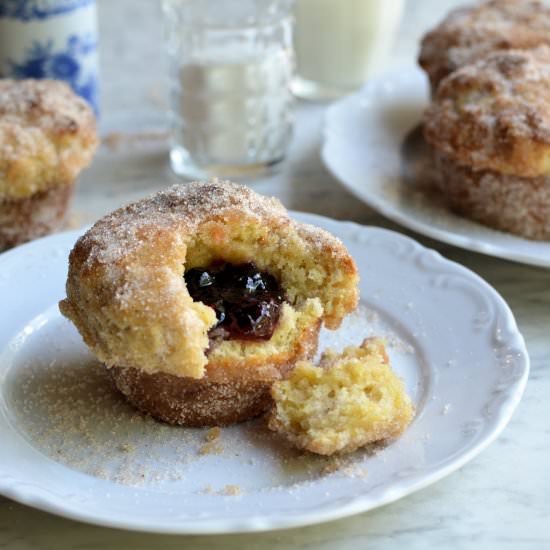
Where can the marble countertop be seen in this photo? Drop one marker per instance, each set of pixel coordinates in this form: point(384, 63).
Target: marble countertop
point(499, 500)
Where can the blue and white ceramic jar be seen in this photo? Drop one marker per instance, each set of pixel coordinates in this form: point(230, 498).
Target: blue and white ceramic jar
point(51, 39)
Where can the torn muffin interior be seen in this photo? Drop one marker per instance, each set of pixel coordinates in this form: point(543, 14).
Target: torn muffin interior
point(299, 257)
point(269, 292)
point(349, 400)
point(256, 323)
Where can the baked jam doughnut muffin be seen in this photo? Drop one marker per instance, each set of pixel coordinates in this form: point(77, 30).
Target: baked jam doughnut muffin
point(47, 136)
point(489, 127)
point(200, 296)
point(348, 401)
point(471, 32)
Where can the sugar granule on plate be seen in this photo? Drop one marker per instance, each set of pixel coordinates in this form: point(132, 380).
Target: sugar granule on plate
point(73, 414)
point(213, 433)
point(211, 448)
point(232, 490)
point(212, 445)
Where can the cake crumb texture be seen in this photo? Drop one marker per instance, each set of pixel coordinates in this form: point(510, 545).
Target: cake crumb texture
point(349, 400)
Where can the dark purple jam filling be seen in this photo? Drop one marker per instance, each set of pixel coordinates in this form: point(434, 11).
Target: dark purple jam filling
point(247, 301)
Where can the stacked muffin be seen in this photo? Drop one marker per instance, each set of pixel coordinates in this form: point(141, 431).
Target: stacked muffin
point(47, 136)
point(489, 122)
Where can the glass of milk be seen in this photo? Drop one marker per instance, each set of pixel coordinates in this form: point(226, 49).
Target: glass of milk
point(231, 66)
point(339, 43)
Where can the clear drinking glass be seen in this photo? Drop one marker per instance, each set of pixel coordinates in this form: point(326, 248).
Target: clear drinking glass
point(231, 64)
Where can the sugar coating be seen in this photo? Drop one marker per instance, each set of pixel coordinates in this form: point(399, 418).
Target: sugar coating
point(471, 32)
point(495, 114)
point(76, 417)
point(24, 219)
point(191, 402)
point(505, 202)
point(127, 296)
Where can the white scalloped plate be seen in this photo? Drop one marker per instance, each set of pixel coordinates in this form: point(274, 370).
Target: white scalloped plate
point(71, 446)
point(363, 148)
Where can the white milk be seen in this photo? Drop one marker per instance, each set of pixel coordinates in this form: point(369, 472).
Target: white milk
point(340, 42)
point(235, 112)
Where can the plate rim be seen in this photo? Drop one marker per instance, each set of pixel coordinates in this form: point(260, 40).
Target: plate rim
point(395, 214)
point(26, 494)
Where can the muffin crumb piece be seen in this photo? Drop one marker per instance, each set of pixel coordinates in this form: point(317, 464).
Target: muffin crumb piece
point(212, 445)
point(127, 448)
point(232, 490)
point(346, 402)
point(213, 433)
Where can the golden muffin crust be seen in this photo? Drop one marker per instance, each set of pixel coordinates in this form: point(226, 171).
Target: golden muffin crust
point(25, 219)
point(190, 402)
point(471, 32)
point(127, 296)
point(508, 203)
point(350, 400)
point(495, 114)
point(236, 387)
point(47, 136)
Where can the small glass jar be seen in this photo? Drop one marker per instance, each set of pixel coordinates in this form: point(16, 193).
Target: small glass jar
point(339, 43)
point(231, 64)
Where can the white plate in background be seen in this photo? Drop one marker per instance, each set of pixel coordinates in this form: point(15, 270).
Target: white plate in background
point(363, 147)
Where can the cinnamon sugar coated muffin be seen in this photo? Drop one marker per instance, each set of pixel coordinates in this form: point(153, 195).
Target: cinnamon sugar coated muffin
point(349, 400)
point(209, 287)
point(489, 128)
point(47, 136)
point(471, 32)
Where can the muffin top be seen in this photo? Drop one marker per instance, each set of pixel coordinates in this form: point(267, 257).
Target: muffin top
point(128, 296)
point(47, 135)
point(495, 114)
point(471, 32)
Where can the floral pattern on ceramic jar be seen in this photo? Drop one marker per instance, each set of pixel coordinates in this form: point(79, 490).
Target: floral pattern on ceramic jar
point(51, 39)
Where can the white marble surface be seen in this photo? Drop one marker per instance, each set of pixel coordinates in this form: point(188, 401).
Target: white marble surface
point(500, 500)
